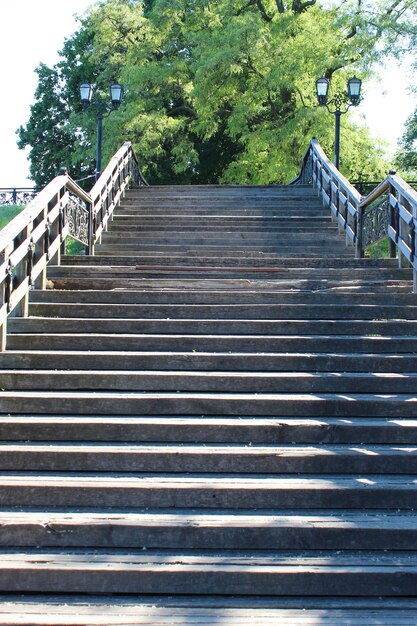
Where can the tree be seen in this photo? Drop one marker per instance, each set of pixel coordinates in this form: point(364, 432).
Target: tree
point(54, 140)
point(223, 90)
point(406, 157)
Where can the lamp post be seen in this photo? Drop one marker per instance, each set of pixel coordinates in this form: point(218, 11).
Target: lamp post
point(86, 96)
point(342, 103)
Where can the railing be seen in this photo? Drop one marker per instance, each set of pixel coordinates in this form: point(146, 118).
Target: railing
point(366, 186)
point(390, 210)
point(36, 237)
point(17, 195)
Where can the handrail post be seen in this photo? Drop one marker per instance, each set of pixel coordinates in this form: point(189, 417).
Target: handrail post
point(3, 326)
point(392, 219)
point(359, 251)
point(90, 246)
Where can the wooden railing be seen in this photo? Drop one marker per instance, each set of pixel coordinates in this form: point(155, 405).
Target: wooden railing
point(390, 210)
point(36, 237)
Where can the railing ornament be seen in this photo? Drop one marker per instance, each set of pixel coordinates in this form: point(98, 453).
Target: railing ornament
point(20, 196)
point(10, 273)
point(29, 261)
point(375, 221)
point(77, 218)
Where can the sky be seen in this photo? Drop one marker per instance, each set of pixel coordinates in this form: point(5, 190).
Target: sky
point(34, 30)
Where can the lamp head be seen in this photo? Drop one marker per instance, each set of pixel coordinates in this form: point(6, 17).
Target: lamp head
point(322, 90)
point(116, 95)
point(354, 90)
point(86, 94)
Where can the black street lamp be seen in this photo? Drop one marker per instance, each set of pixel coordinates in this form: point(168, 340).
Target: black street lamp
point(86, 96)
point(341, 99)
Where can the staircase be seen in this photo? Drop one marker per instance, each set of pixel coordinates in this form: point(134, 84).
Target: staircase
point(212, 420)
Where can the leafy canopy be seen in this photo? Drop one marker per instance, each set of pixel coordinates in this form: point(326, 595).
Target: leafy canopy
point(223, 90)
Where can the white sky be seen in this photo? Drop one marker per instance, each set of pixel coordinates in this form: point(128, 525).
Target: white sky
point(34, 30)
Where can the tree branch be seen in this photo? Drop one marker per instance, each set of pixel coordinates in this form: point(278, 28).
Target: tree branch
point(263, 12)
point(280, 6)
point(299, 7)
point(260, 6)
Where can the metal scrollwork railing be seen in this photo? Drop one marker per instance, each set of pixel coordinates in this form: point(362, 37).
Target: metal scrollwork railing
point(389, 210)
point(375, 222)
point(77, 216)
point(19, 196)
point(37, 235)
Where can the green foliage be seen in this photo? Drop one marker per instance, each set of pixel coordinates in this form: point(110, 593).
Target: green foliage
point(53, 139)
point(8, 212)
point(223, 90)
point(380, 250)
point(406, 158)
point(72, 246)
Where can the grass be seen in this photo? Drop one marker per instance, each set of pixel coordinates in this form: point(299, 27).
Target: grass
point(73, 247)
point(378, 250)
point(8, 212)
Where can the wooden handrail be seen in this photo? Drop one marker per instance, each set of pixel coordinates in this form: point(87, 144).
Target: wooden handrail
point(349, 207)
point(36, 237)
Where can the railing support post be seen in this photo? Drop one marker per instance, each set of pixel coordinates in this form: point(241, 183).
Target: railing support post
point(359, 251)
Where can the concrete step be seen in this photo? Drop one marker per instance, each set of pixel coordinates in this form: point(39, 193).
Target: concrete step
point(399, 405)
point(227, 458)
point(195, 429)
point(207, 491)
point(209, 530)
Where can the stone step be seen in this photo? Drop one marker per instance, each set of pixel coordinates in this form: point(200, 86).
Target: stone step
point(213, 296)
point(210, 530)
point(207, 491)
point(226, 458)
point(226, 311)
point(48, 359)
point(245, 430)
point(206, 403)
point(310, 573)
point(210, 381)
